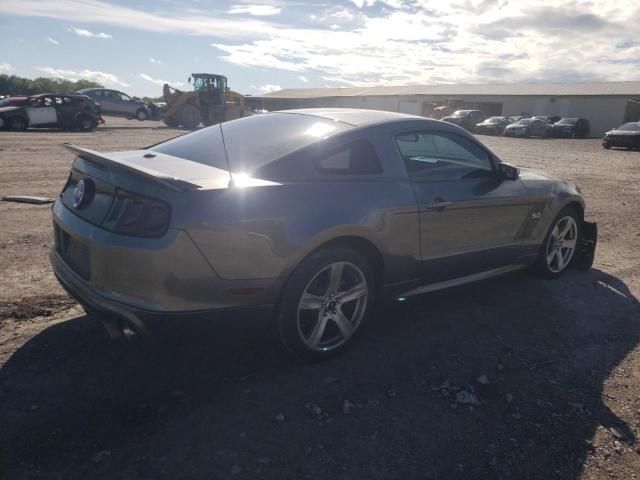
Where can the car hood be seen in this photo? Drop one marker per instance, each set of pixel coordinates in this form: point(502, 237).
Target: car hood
point(622, 132)
point(533, 174)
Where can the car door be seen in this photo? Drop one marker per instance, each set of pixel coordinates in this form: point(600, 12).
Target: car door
point(41, 111)
point(67, 110)
point(539, 128)
point(126, 105)
point(109, 102)
point(470, 219)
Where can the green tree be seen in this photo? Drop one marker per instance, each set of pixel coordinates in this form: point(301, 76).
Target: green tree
point(14, 85)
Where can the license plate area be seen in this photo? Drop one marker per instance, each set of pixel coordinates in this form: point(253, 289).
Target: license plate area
point(74, 253)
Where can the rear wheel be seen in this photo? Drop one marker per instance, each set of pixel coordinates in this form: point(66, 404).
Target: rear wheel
point(17, 124)
point(190, 116)
point(170, 122)
point(325, 302)
point(85, 123)
point(558, 250)
point(142, 114)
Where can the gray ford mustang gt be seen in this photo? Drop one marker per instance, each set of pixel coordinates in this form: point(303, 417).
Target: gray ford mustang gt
point(305, 217)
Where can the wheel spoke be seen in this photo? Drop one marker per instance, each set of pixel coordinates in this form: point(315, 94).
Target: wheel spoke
point(318, 331)
point(550, 256)
point(555, 232)
point(560, 260)
point(335, 276)
point(569, 243)
point(566, 229)
point(343, 323)
point(353, 293)
point(310, 302)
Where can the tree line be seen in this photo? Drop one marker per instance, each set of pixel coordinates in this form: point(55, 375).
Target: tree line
point(14, 85)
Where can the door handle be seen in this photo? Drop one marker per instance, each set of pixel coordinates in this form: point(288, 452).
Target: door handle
point(438, 205)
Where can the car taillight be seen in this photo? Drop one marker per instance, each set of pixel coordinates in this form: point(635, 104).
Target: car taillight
point(138, 216)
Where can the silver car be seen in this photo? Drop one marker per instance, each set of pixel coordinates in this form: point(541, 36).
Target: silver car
point(117, 103)
point(305, 217)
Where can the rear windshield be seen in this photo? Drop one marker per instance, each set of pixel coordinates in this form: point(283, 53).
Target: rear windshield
point(494, 120)
point(524, 121)
point(568, 121)
point(251, 142)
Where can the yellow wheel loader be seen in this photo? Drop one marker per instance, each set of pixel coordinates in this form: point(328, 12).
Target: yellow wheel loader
point(210, 102)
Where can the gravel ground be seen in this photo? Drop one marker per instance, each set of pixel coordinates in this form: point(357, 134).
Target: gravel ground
point(550, 369)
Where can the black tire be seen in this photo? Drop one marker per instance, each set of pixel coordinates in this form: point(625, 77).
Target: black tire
point(171, 122)
point(17, 123)
point(85, 123)
point(142, 114)
point(289, 320)
point(606, 146)
point(541, 265)
point(190, 116)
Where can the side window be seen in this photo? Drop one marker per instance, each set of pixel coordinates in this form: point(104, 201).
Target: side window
point(124, 97)
point(442, 156)
point(47, 101)
point(355, 158)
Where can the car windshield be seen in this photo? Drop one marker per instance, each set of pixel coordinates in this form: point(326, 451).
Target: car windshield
point(251, 142)
point(630, 127)
point(460, 113)
point(494, 120)
point(524, 121)
point(568, 121)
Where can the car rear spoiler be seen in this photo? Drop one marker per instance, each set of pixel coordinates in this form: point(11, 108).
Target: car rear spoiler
point(158, 177)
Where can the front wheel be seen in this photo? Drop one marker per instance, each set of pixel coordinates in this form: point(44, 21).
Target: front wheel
point(558, 249)
point(85, 123)
point(17, 124)
point(325, 302)
point(190, 116)
point(142, 114)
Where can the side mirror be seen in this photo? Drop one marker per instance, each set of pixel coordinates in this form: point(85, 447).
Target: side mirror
point(508, 172)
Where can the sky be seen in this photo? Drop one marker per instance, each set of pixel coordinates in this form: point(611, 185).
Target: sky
point(137, 46)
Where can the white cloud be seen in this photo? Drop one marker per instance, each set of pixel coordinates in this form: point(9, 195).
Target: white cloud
point(106, 79)
point(269, 88)
point(258, 10)
point(87, 33)
point(155, 60)
point(450, 41)
point(149, 78)
point(6, 68)
point(53, 40)
point(303, 79)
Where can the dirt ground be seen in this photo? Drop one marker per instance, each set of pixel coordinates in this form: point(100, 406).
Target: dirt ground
point(554, 365)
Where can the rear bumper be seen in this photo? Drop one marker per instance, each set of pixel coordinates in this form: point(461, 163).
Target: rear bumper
point(116, 315)
point(137, 279)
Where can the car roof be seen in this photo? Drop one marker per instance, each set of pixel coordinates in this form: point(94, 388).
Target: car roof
point(352, 116)
point(39, 95)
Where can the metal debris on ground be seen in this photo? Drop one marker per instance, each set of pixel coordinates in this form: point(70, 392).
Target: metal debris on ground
point(27, 199)
point(467, 398)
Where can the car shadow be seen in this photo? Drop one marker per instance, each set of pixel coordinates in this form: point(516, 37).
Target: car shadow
point(218, 400)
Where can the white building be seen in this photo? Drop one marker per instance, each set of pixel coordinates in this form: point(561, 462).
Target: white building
point(605, 105)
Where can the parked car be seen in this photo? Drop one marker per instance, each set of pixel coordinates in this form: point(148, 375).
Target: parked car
point(117, 103)
point(52, 110)
point(571, 128)
point(401, 205)
point(627, 135)
point(527, 127)
point(466, 119)
point(493, 125)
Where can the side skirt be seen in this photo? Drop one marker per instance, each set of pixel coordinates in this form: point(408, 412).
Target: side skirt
point(432, 287)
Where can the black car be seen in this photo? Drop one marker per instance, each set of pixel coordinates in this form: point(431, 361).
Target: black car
point(52, 110)
point(493, 125)
point(466, 119)
point(571, 128)
point(627, 135)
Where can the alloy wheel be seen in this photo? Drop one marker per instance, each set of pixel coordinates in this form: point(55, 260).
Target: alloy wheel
point(562, 244)
point(332, 306)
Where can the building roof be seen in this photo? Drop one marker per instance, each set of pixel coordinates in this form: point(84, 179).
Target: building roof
point(352, 116)
point(631, 88)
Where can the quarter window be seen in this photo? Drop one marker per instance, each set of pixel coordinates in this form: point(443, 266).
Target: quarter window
point(355, 158)
point(442, 156)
